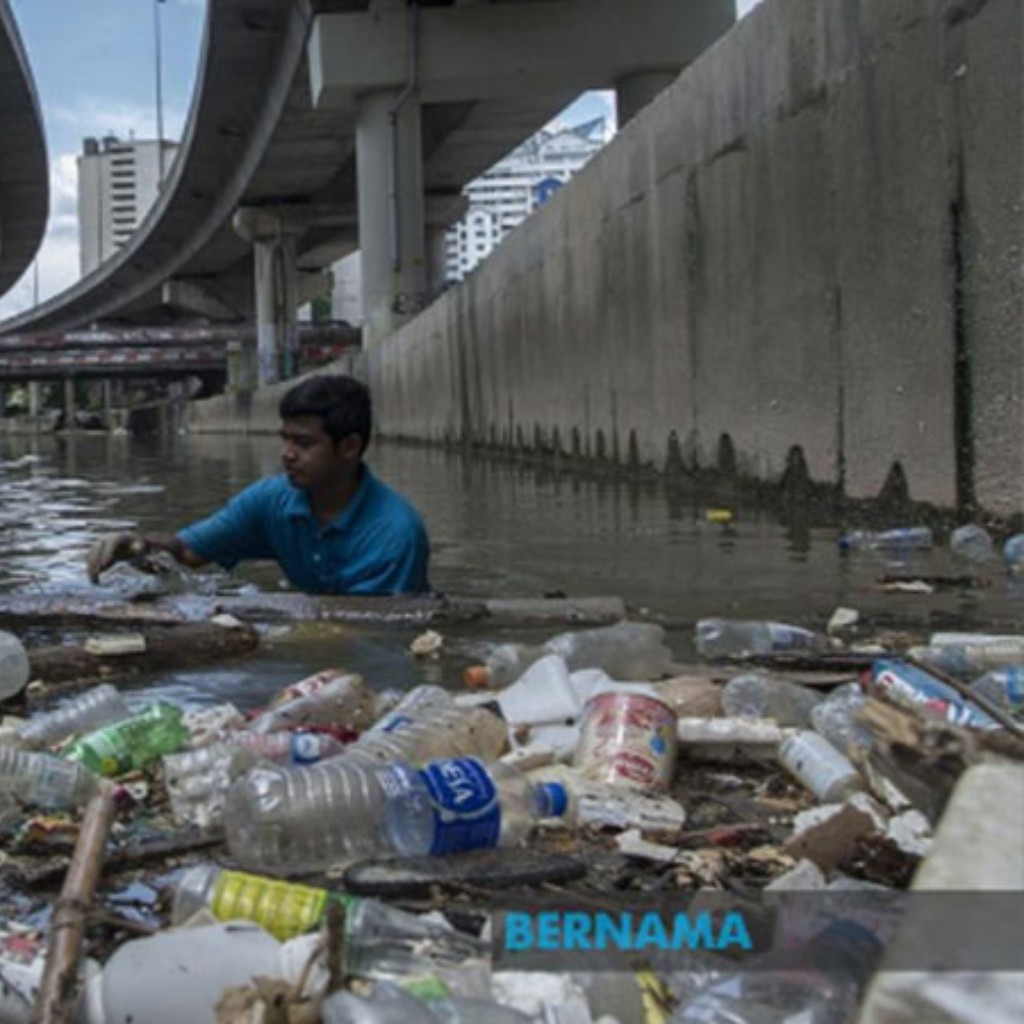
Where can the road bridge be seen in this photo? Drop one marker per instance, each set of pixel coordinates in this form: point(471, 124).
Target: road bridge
point(24, 179)
point(320, 126)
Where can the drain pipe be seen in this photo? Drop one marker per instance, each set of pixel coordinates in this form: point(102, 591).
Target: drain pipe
point(411, 85)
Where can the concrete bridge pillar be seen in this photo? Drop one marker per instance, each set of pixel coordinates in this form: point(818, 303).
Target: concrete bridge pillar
point(276, 279)
point(34, 398)
point(392, 235)
point(634, 92)
point(3, 399)
point(70, 404)
point(437, 252)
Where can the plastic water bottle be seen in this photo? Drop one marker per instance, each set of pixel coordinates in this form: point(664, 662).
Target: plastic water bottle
point(297, 820)
point(1004, 687)
point(835, 719)
point(281, 747)
point(331, 697)
point(762, 695)
point(285, 909)
point(197, 782)
point(820, 982)
point(131, 744)
point(462, 804)
point(382, 941)
point(428, 725)
point(14, 666)
point(904, 538)
point(626, 650)
point(45, 780)
point(88, 710)
point(911, 685)
point(1013, 553)
point(812, 760)
point(969, 660)
point(726, 638)
point(971, 542)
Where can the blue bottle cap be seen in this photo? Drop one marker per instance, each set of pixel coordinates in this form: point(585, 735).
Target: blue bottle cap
point(555, 799)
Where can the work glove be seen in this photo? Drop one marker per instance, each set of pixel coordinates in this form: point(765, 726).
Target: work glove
point(112, 548)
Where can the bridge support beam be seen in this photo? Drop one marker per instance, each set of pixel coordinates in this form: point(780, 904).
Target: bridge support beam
point(634, 92)
point(35, 395)
point(389, 163)
point(276, 279)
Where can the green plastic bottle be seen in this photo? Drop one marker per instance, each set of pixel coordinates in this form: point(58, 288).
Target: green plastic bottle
point(131, 743)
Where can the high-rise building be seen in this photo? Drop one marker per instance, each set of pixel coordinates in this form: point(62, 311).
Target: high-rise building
point(118, 181)
point(502, 197)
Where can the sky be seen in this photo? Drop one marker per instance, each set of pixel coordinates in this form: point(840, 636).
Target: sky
point(94, 63)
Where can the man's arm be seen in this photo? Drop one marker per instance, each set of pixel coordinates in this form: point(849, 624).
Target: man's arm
point(121, 547)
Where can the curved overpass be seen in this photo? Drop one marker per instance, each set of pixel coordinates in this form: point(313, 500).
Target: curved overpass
point(24, 181)
point(255, 138)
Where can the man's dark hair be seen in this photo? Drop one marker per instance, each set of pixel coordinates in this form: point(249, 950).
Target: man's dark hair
point(342, 402)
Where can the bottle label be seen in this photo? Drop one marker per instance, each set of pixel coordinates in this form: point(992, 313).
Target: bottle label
point(788, 638)
point(907, 683)
point(305, 748)
point(283, 908)
point(394, 723)
point(467, 812)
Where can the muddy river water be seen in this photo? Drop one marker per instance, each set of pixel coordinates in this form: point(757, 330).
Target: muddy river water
point(498, 529)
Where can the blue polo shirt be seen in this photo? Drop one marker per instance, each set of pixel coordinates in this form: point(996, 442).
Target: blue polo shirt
point(377, 545)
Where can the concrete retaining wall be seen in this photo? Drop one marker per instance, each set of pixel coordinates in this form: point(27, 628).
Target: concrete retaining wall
point(812, 240)
point(771, 251)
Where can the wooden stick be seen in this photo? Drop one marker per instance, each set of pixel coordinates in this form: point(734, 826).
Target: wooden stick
point(59, 985)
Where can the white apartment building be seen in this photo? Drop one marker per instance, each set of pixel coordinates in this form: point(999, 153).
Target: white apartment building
point(505, 195)
point(118, 181)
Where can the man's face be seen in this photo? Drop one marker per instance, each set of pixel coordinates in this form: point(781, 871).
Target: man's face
point(310, 458)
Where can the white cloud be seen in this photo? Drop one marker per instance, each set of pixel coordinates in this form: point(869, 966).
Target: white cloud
point(98, 117)
point(58, 255)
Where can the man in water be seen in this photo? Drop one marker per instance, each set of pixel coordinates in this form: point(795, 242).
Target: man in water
point(329, 523)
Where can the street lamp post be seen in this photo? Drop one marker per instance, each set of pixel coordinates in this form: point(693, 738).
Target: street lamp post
point(159, 90)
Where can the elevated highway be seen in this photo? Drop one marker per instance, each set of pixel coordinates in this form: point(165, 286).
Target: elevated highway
point(320, 126)
point(24, 180)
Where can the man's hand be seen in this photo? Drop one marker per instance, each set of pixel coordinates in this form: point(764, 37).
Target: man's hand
point(112, 548)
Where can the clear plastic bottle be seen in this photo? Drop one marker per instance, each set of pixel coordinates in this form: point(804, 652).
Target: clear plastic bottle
point(904, 538)
point(285, 909)
point(762, 695)
point(1004, 687)
point(428, 725)
point(382, 941)
point(331, 697)
point(297, 820)
point(835, 719)
point(724, 638)
point(812, 760)
point(625, 650)
point(969, 660)
point(90, 710)
point(1013, 553)
point(14, 666)
point(132, 743)
point(281, 747)
point(971, 542)
point(817, 983)
point(462, 804)
point(197, 782)
point(45, 780)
